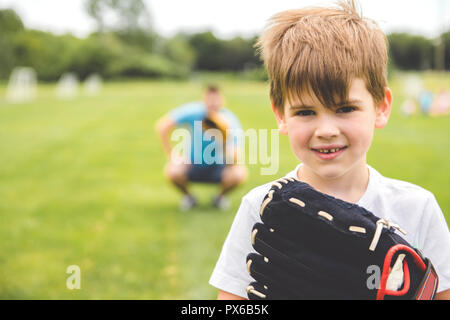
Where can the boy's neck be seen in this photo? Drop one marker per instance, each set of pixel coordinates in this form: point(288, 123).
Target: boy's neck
point(349, 187)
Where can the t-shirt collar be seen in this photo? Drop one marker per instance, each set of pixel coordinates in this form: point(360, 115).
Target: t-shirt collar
point(366, 199)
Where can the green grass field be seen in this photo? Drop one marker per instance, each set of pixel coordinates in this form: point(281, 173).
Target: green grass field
point(81, 184)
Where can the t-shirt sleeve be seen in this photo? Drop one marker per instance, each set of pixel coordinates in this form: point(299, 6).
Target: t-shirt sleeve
point(233, 120)
point(230, 273)
point(188, 113)
point(435, 241)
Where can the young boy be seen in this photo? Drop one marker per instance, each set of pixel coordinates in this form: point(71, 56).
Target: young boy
point(328, 89)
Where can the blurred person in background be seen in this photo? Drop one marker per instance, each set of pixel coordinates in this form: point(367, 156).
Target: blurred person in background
point(213, 152)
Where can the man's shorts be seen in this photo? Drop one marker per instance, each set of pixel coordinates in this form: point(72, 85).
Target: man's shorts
point(206, 173)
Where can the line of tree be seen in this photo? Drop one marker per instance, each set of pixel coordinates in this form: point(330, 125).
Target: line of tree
point(129, 47)
point(414, 52)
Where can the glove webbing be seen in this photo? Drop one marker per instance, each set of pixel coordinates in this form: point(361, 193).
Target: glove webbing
point(428, 286)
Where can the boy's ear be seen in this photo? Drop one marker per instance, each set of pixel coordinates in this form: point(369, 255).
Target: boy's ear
point(281, 120)
point(383, 110)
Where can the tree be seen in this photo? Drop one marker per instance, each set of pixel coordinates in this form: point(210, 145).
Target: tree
point(216, 54)
point(208, 50)
point(446, 38)
point(45, 52)
point(129, 15)
point(129, 19)
point(179, 50)
point(10, 22)
point(411, 52)
point(10, 25)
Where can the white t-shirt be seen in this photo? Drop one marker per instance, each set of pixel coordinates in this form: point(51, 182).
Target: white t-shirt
point(413, 208)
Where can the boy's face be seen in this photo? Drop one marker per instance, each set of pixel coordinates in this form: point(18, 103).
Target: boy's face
point(333, 142)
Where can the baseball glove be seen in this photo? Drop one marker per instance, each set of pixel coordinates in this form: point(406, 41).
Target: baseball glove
point(216, 121)
point(313, 246)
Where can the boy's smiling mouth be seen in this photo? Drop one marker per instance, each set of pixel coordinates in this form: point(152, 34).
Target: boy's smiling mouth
point(329, 152)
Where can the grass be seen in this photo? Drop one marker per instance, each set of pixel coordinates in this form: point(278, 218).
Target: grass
point(81, 184)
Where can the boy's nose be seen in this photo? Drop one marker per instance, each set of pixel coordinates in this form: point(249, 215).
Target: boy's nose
point(327, 128)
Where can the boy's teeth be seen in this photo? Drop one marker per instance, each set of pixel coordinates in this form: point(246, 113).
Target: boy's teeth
point(328, 150)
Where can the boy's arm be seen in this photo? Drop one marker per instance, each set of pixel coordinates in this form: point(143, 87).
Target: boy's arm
point(444, 295)
point(223, 295)
point(434, 243)
point(230, 274)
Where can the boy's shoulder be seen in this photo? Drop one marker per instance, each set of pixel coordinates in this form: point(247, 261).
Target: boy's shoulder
point(391, 192)
point(256, 196)
point(403, 202)
point(382, 192)
point(390, 187)
point(412, 207)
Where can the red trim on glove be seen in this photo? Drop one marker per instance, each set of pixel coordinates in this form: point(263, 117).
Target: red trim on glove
point(382, 292)
point(428, 287)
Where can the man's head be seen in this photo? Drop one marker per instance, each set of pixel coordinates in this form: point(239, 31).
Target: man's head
point(320, 51)
point(213, 99)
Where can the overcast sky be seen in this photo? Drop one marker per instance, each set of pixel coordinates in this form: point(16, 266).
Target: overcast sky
point(231, 17)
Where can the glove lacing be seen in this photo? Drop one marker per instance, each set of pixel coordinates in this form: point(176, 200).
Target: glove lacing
point(383, 223)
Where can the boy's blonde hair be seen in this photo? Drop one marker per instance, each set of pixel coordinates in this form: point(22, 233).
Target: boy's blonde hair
point(320, 51)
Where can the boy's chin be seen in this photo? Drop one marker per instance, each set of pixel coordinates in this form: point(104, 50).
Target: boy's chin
point(327, 172)
point(333, 172)
point(330, 174)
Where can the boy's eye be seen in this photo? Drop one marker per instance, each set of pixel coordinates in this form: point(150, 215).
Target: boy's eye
point(346, 109)
point(305, 113)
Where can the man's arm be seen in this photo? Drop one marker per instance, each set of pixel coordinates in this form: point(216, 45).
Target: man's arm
point(163, 127)
point(223, 295)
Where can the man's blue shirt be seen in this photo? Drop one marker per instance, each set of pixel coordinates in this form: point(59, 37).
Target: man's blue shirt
point(191, 116)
